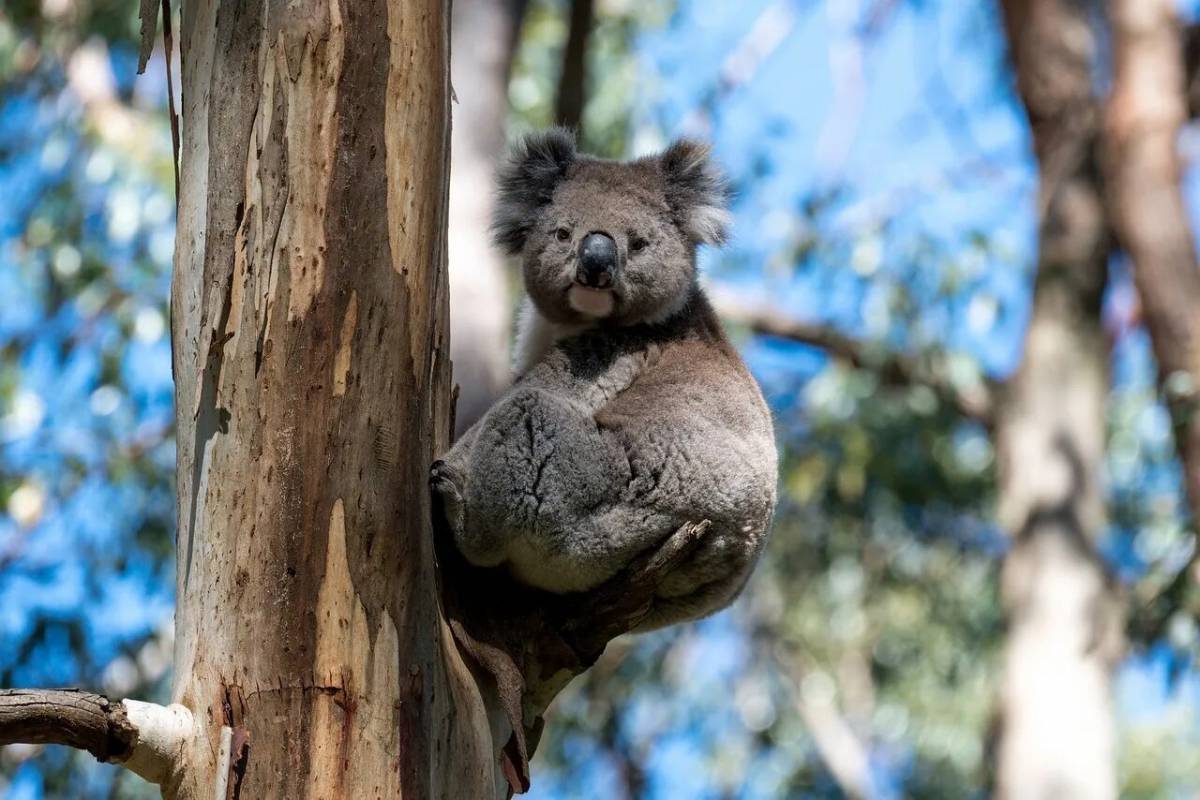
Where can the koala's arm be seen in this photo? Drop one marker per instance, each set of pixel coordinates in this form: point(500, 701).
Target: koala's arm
point(586, 374)
point(537, 458)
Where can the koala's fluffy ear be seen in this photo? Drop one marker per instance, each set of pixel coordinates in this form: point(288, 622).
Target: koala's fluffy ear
point(526, 182)
point(696, 191)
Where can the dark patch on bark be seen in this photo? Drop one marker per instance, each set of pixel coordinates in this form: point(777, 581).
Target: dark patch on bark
point(239, 756)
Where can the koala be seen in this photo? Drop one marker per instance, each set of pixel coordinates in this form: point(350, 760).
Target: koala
point(631, 413)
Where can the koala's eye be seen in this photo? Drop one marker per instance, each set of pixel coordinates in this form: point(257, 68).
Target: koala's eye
point(637, 244)
point(562, 234)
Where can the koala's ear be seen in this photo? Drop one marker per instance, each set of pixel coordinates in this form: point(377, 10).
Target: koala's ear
point(526, 182)
point(696, 191)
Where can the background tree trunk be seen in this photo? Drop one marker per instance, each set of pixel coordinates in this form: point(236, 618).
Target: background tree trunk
point(1057, 736)
point(1146, 112)
point(308, 316)
point(484, 38)
point(572, 81)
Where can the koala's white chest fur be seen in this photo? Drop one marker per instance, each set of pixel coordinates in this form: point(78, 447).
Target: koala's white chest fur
point(536, 335)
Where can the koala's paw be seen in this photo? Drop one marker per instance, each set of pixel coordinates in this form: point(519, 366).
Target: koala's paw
point(446, 483)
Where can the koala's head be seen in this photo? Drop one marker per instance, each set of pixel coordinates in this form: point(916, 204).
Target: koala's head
point(608, 240)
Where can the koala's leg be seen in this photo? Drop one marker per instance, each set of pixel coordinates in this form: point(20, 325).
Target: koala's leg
point(448, 480)
point(543, 484)
point(707, 581)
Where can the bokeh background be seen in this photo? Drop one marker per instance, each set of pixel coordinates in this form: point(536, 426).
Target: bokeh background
point(885, 190)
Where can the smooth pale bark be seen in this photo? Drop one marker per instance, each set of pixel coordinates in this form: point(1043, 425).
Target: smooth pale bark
point(312, 389)
point(1146, 112)
point(484, 35)
point(1057, 736)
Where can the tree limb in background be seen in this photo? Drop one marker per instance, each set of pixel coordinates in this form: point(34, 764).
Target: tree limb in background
point(1191, 66)
point(572, 81)
point(976, 402)
point(840, 748)
point(1057, 737)
point(768, 32)
point(1146, 112)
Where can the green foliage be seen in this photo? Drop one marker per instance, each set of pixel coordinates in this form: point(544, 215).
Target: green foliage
point(42, 34)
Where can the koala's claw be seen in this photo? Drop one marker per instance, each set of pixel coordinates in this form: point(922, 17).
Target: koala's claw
point(445, 481)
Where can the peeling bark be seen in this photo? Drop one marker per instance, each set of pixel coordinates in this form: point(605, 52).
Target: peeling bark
point(1057, 734)
point(312, 387)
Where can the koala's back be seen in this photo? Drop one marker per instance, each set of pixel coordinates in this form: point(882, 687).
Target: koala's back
point(696, 429)
point(700, 445)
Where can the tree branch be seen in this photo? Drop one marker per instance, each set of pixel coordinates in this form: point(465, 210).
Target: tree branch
point(844, 754)
point(896, 369)
point(1146, 110)
point(75, 718)
point(1191, 67)
point(572, 82)
point(145, 738)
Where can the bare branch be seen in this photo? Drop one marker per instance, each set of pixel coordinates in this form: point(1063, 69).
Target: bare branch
point(897, 369)
point(72, 717)
point(143, 737)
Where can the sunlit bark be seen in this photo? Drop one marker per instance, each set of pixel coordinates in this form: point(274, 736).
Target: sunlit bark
point(1146, 113)
point(309, 327)
point(1057, 736)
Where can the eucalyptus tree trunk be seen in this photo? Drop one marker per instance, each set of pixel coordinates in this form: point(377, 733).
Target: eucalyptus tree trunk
point(309, 304)
point(309, 327)
point(1146, 113)
point(1057, 734)
point(330, 641)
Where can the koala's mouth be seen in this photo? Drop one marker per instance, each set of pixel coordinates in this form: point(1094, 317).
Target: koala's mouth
point(590, 302)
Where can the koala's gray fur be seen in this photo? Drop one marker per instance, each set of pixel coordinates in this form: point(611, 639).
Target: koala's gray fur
point(620, 428)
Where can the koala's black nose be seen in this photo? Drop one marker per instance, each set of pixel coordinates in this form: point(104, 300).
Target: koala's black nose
point(597, 261)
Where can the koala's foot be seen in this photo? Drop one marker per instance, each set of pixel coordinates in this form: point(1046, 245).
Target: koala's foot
point(446, 483)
